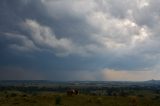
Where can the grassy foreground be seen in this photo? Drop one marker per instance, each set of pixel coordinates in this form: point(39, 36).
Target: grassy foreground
point(61, 99)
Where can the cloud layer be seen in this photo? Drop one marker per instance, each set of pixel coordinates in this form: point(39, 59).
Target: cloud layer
point(84, 37)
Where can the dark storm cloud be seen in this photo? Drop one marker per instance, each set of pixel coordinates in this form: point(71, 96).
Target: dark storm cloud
point(14, 12)
point(16, 73)
point(57, 38)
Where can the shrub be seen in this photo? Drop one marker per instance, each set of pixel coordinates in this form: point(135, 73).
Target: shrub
point(5, 92)
point(58, 100)
point(89, 100)
point(24, 95)
point(134, 101)
point(99, 100)
point(13, 95)
point(156, 97)
point(140, 95)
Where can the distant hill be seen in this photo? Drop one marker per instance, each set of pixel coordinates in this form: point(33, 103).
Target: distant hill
point(80, 83)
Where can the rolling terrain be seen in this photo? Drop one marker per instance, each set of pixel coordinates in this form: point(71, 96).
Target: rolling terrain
point(91, 93)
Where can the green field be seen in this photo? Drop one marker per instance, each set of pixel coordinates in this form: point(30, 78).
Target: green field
point(15, 98)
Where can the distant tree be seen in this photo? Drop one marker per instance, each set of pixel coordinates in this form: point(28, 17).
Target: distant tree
point(123, 93)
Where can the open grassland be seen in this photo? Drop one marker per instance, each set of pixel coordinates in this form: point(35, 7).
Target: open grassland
point(15, 98)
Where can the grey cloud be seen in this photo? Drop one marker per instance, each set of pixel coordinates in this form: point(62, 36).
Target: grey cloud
point(91, 34)
point(20, 42)
point(18, 73)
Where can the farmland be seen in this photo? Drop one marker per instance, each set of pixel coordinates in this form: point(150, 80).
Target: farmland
point(90, 94)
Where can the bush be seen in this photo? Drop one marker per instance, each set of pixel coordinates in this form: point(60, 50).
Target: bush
point(89, 100)
point(13, 95)
point(99, 100)
point(58, 100)
point(134, 101)
point(24, 95)
point(140, 95)
point(156, 97)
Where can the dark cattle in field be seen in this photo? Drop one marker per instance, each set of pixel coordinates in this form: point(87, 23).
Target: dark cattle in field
point(76, 92)
point(72, 92)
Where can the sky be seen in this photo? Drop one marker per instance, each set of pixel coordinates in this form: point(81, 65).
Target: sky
point(72, 40)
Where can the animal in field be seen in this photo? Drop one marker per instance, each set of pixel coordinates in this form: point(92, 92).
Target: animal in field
point(76, 92)
point(72, 92)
